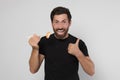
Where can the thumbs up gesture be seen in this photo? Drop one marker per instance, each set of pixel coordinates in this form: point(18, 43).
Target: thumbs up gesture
point(73, 48)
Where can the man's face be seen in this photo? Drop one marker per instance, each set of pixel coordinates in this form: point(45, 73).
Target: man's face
point(61, 25)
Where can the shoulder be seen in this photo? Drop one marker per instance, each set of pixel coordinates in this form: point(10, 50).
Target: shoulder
point(75, 38)
point(44, 40)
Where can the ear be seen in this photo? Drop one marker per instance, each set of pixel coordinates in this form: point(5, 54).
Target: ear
point(52, 23)
point(70, 22)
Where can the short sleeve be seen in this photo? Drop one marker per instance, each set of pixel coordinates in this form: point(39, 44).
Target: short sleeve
point(83, 48)
point(41, 46)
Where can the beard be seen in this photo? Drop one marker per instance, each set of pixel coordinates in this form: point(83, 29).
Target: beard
point(61, 33)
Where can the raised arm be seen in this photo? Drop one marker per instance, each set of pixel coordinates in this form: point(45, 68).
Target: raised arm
point(85, 61)
point(36, 59)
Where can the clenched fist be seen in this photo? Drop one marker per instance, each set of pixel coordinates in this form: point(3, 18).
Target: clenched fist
point(33, 41)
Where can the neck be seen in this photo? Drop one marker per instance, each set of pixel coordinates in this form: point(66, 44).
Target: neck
point(62, 37)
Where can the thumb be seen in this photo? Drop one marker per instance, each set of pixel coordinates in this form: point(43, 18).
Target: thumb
point(77, 42)
point(35, 35)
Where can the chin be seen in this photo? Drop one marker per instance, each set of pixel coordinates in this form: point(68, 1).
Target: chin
point(60, 36)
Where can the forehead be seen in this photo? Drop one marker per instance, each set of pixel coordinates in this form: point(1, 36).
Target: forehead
point(60, 17)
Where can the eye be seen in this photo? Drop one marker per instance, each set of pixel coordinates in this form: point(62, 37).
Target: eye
point(63, 21)
point(56, 22)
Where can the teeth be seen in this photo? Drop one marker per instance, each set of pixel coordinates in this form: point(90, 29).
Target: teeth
point(60, 30)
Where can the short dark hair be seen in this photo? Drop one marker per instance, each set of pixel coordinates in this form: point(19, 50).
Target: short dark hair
point(60, 10)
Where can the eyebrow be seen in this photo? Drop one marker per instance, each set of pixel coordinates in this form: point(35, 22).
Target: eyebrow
point(62, 20)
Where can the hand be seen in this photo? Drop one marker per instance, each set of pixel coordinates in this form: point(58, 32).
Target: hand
point(73, 48)
point(33, 41)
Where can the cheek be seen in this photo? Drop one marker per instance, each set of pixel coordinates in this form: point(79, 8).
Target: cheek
point(66, 26)
point(54, 27)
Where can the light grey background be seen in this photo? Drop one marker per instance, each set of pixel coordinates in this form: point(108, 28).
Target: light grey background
point(97, 22)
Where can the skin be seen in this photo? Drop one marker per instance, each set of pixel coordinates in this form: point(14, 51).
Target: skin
point(60, 26)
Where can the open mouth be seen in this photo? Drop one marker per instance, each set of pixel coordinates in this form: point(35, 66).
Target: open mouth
point(60, 31)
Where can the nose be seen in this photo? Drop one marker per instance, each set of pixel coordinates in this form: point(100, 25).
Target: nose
point(60, 25)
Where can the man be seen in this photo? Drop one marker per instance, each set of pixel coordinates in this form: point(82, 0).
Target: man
point(62, 51)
